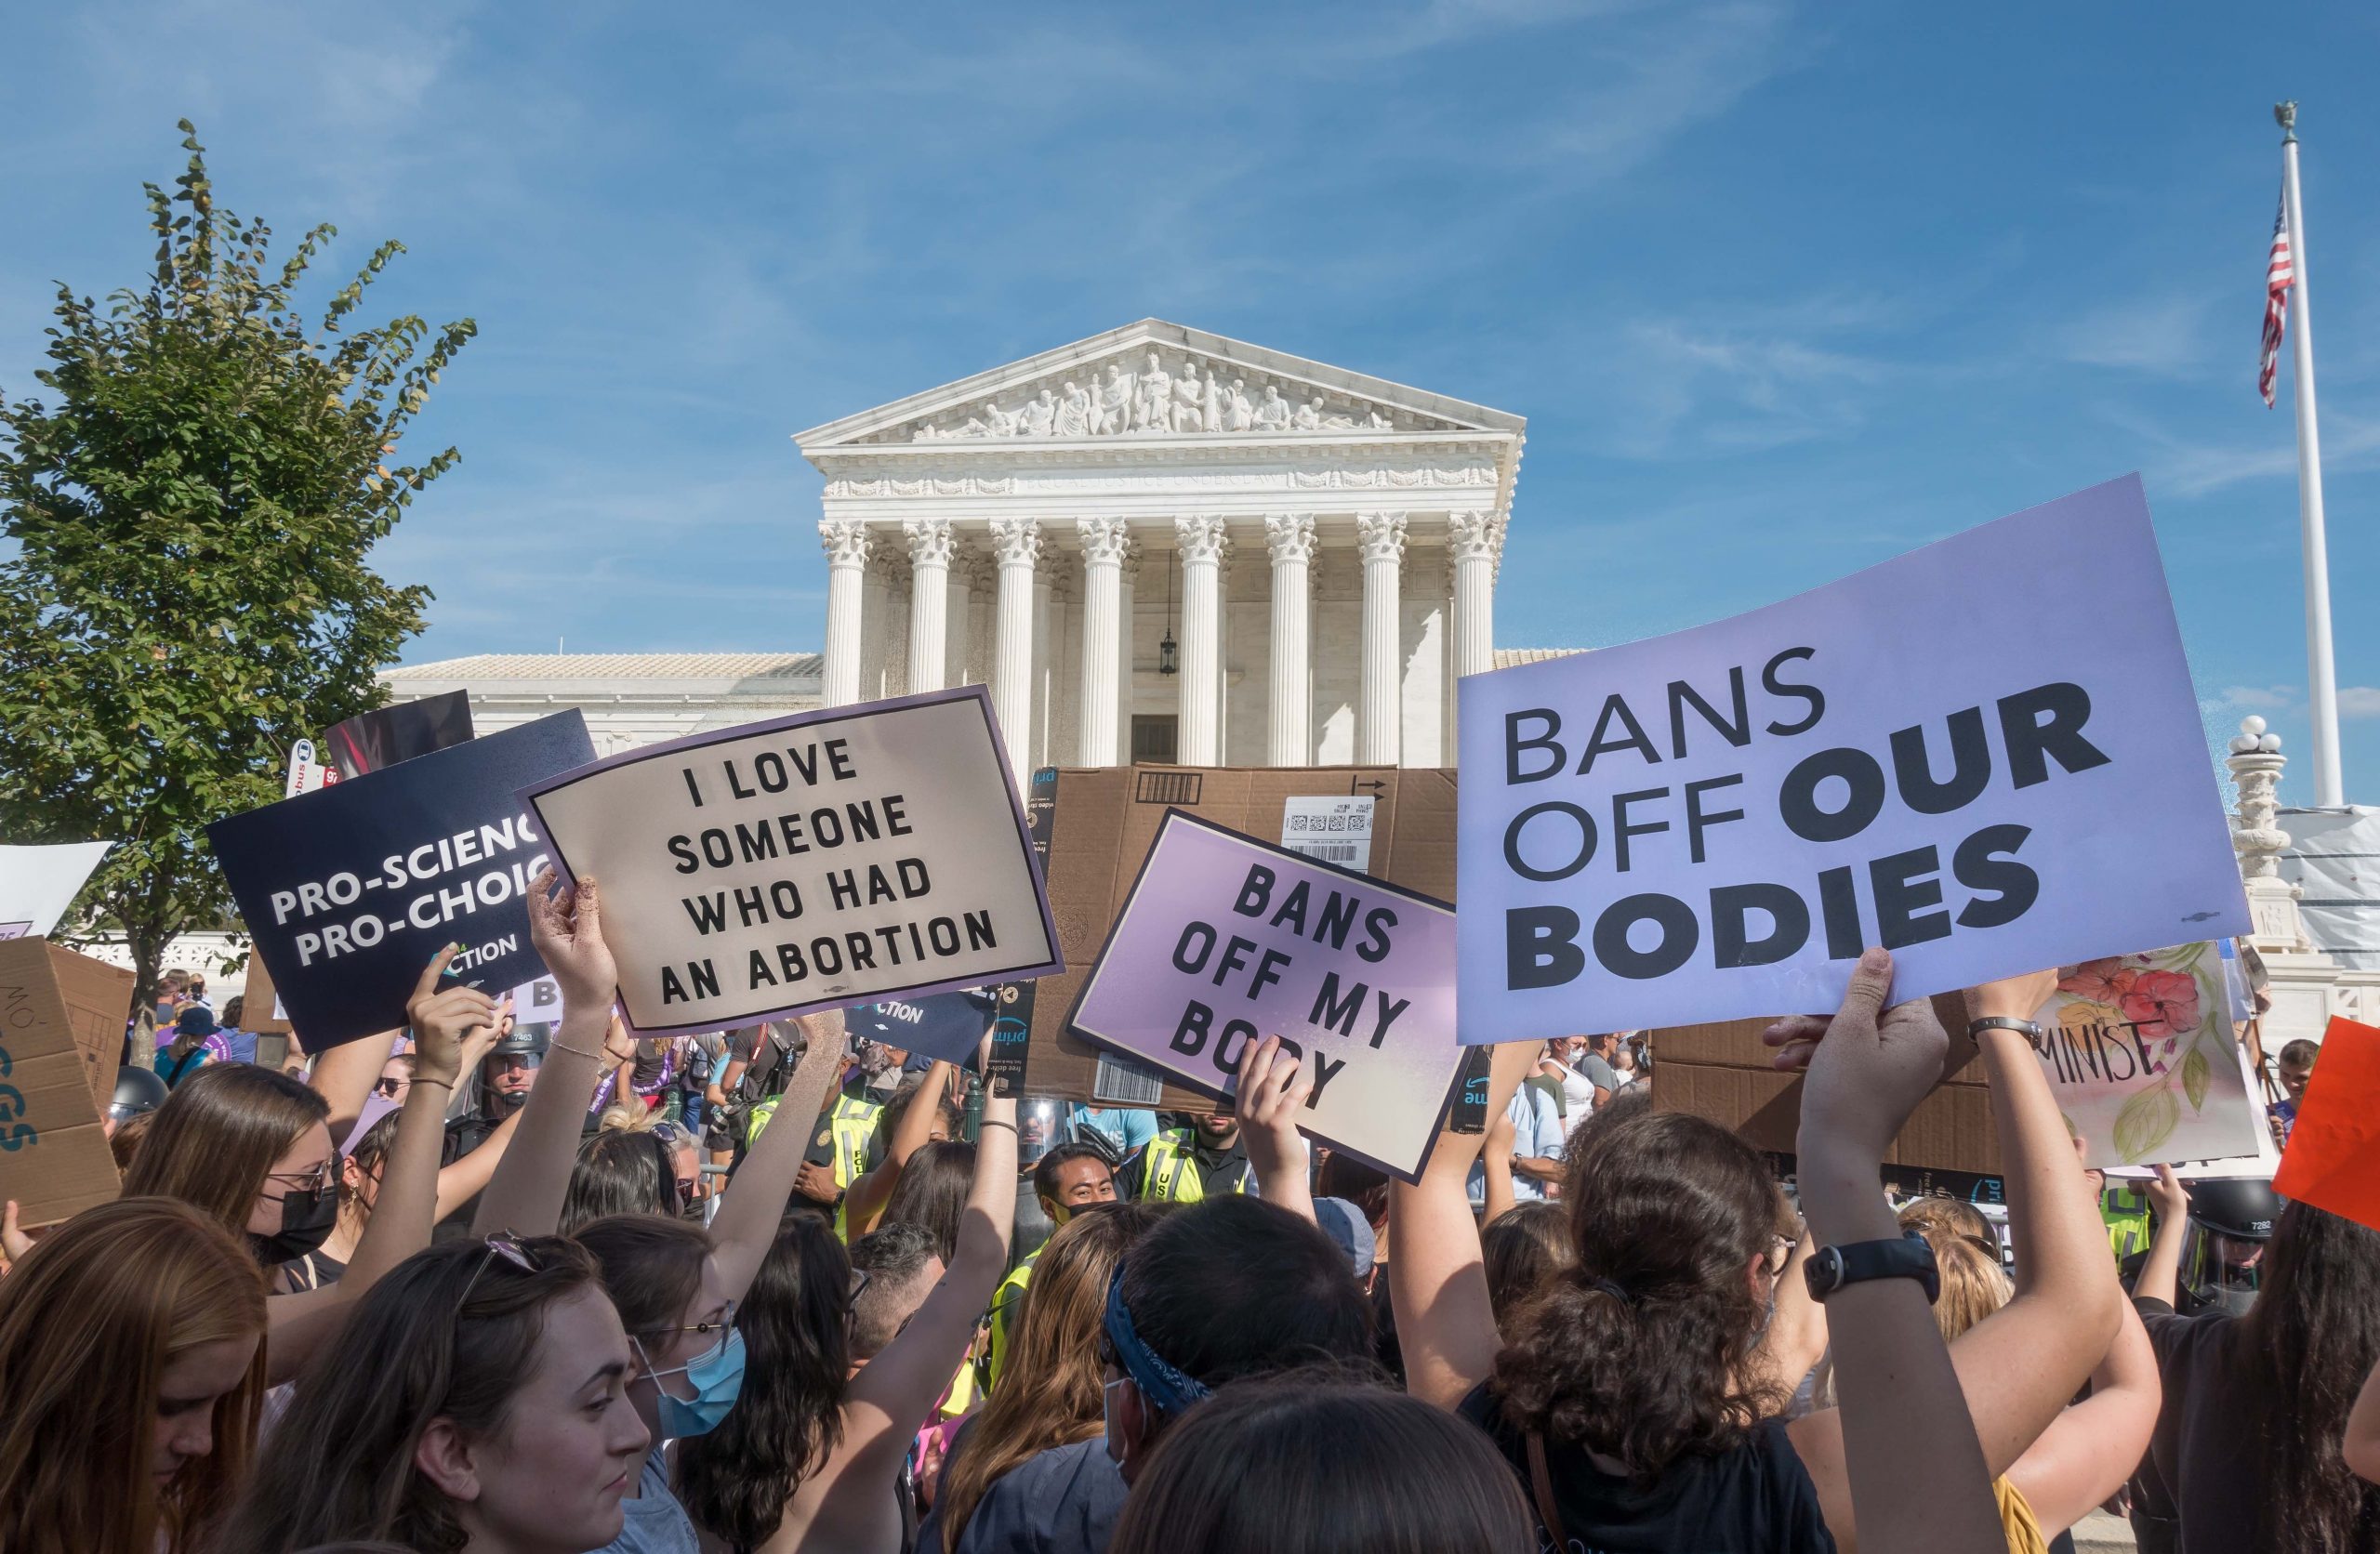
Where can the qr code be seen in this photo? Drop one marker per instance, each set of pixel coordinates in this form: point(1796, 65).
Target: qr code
point(1126, 1082)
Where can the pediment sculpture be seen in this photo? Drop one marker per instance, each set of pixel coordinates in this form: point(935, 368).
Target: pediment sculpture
point(1161, 395)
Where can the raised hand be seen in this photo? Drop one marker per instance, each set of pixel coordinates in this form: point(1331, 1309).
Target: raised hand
point(567, 929)
point(1868, 1065)
point(483, 1039)
point(442, 1018)
point(1270, 1101)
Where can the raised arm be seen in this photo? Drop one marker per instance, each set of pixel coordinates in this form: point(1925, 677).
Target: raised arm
point(1271, 1100)
point(404, 1211)
point(746, 1222)
point(1496, 1169)
point(1438, 1283)
point(344, 1077)
point(2161, 1272)
point(1898, 1466)
point(867, 1196)
point(525, 1194)
point(2094, 1446)
point(2361, 1447)
point(896, 1390)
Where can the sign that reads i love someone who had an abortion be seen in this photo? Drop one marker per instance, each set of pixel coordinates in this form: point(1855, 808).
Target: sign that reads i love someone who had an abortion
point(1984, 755)
point(827, 859)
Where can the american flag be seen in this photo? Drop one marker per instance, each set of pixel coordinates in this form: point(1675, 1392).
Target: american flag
point(2281, 273)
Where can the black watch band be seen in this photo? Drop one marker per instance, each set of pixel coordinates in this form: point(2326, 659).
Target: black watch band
point(2025, 1028)
point(1906, 1256)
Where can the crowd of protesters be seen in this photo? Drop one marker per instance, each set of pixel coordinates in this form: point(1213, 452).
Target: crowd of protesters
point(494, 1285)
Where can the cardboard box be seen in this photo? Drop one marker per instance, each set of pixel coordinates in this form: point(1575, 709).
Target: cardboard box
point(258, 1001)
point(1723, 1071)
point(61, 1032)
point(1100, 827)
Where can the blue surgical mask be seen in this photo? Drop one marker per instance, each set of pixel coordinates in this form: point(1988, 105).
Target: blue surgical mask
point(716, 1378)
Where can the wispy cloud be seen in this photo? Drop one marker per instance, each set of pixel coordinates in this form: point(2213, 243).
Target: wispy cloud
point(2160, 336)
point(2359, 700)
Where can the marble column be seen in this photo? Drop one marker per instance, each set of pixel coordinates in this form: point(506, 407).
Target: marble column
point(1201, 542)
point(1016, 544)
point(931, 543)
point(1102, 565)
point(969, 577)
point(1380, 701)
point(1474, 542)
point(1290, 538)
point(847, 544)
point(1127, 646)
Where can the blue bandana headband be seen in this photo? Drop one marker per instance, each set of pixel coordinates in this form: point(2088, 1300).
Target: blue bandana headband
point(1168, 1389)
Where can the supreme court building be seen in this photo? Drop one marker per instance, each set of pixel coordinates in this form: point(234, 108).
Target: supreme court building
point(1153, 545)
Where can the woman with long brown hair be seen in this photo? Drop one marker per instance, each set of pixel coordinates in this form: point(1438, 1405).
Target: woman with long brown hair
point(132, 1368)
point(251, 1149)
point(1050, 1392)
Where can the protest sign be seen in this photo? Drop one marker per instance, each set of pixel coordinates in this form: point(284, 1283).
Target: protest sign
point(2333, 1161)
point(37, 884)
point(2140, 1052)
point(348, 891)
point(1935, 755)
point(811, 861)
point(61, 1027)
point(1225, 940)
point(949, 1026)
point(379, 739)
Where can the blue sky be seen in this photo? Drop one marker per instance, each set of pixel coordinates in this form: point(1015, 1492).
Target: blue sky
point(1783, 290)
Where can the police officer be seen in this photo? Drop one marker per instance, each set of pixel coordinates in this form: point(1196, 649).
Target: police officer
point(1199, 1158)
point(500, 1088)
point(1066, 1181)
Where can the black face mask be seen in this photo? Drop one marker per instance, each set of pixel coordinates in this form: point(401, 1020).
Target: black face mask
point(307, 1215)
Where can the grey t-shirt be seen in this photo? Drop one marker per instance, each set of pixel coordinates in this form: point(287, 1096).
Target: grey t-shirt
point(657, 1523)
point(1599, 1073)
point(1065, 1501)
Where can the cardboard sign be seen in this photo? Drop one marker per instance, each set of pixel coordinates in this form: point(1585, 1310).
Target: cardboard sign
point(350, 890)
point(2333, 1161)
point(1099, 824)
point(1984, 755)
point(811, 861)
point(37, 884)
point(379, 739)
point(1225, 940)
point(2140, 1053)
point(61, 1030)
point(949, 1026)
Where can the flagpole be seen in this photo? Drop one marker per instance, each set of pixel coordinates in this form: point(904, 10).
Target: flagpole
point(2329, 791)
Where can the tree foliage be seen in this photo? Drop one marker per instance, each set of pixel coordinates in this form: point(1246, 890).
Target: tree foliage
point(192, 512)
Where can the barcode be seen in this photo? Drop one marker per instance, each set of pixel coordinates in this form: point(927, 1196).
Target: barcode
point(1336, 853)
point(1126, 1081)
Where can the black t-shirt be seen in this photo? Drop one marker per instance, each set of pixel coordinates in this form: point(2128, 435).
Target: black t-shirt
point(1753, 1498)
point(2196, 1493)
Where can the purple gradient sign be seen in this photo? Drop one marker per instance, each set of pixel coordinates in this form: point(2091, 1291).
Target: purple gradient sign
point(1226, 939)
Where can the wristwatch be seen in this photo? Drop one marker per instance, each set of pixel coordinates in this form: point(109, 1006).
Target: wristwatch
point(1908, 1256)
point(2025, 1028)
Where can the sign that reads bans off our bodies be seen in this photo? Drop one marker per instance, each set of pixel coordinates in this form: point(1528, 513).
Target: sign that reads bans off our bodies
point(1984, 755)
point(1226, 939)
point(827, 859)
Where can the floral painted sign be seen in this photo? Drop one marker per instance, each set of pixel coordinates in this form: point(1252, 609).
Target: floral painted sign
point(2141, 1053)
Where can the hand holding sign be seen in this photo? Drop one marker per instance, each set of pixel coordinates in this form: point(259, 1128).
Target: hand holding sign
point(1868, 1065)
point(442, 1018)
point(1271, 1096)
point(567, 929)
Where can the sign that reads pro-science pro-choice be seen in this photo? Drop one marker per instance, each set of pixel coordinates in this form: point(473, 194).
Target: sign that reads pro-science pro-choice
point(349, 889)
point(1226, 939)
point(818, 861)
point(1984, 755)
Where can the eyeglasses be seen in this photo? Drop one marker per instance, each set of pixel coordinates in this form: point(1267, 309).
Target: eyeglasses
point(314, 1180)
point(390, 1084)
point(860, 1281)
point(724, 1329)
point(502, 1245)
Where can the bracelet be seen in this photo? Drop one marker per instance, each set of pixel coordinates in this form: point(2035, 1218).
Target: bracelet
point(2025, 1028)
point(447, 1085)
point(576, 1051)
point(988, 1123)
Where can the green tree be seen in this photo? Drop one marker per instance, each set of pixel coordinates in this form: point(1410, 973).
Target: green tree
point(193, 515)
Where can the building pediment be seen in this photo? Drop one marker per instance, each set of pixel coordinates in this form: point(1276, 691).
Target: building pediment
point(1155, 381)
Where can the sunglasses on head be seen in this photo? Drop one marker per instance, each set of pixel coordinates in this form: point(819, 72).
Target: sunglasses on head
point(503, 1247)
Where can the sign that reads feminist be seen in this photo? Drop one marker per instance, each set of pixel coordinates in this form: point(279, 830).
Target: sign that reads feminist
point(1984, 755)
point(813, 862)
point(349, 889)
point(1226, 939)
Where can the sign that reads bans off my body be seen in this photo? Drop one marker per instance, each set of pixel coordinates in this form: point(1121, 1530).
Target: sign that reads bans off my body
point(1984, 755)
point(1226, 939)
point(822, 859)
